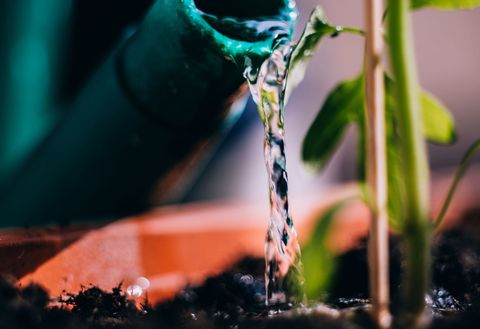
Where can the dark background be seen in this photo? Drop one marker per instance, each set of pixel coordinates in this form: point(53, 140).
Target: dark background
point(96, 25)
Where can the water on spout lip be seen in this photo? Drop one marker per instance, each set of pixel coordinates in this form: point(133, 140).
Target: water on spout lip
point(247, 29)
point(283, 274)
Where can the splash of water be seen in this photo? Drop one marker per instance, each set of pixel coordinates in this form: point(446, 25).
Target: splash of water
point(283, 275)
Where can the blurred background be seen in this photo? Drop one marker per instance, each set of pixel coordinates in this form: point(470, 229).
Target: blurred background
point(448, 53)
point(50, 48)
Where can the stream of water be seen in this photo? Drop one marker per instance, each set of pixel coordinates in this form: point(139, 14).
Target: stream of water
point(283, 274)
point(267, 80)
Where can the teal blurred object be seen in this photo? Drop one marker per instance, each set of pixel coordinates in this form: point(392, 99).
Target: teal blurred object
point(31, 42)
point(143, 122)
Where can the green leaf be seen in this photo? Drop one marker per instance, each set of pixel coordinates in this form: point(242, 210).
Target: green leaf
point(394, 161)
point(438, 123)
point(345, 106)
point(445, 4)
point(438, 127)
point(342, 107)
point(316, 28)
point(318, 260)
point(459, 173)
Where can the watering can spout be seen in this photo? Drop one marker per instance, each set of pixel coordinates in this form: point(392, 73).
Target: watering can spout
point(142, 121)
point(193, 56)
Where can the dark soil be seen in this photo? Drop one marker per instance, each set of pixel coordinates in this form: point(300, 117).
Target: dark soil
point(235, 298)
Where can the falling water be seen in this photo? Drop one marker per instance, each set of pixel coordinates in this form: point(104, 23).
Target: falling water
point(283, 275)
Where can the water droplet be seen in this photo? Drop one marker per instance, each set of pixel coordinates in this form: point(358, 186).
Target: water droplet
point(247, 279)
point(143, 282)
point(338, 30)
point(285, 237)
point(134, 291)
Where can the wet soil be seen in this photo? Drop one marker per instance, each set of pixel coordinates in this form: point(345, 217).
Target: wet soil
point(235, 299)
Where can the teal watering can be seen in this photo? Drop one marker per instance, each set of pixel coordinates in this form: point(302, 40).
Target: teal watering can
point(145, 119)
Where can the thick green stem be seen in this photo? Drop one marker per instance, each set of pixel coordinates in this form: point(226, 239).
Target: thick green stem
point(417, 276)
point(414, 166)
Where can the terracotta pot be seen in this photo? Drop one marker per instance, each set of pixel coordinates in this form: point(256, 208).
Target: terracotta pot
point(179, 245)
point(174, 246)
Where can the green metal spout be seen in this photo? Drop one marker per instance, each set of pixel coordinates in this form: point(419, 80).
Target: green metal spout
point(141, 125)
point(189, 56)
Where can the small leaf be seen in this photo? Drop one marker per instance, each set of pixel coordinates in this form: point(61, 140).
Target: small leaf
point(318, 260)
point(343, 106)
point(438, 124)
point(445, 4)
point(316, 28)
point(438, 127)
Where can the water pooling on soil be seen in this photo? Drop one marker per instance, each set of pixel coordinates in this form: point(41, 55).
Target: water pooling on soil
point(283, 275)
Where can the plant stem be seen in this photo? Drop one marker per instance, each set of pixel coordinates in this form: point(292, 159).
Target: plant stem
point(459, 173)
point(376, 164)
point(352, 30)
point(414, 167)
